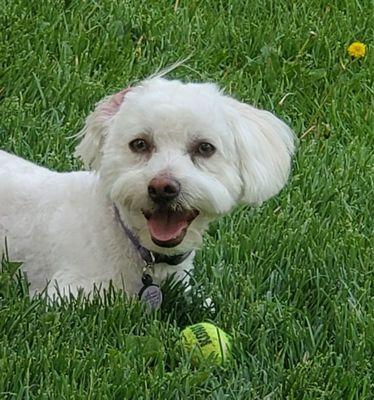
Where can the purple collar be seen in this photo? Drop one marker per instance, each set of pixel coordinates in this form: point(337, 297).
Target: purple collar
point(150, 257)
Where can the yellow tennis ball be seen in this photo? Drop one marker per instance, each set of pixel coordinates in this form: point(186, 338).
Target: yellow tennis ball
point(205, 340)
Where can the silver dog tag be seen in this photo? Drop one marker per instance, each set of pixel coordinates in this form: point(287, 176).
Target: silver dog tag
point(152, 296)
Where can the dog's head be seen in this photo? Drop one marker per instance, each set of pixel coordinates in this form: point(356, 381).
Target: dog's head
point(174, 156)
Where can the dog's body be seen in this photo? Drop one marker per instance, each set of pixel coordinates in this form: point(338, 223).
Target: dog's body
point(60, 237)
point(170, 157)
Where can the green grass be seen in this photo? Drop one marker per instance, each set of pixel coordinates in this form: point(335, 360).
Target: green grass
point(292, 281)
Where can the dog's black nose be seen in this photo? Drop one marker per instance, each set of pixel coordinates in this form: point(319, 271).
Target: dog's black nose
point(163, 189)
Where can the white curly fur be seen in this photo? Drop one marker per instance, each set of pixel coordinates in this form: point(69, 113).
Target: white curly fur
point(62, 225)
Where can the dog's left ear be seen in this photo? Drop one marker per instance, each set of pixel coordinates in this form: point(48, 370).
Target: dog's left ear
point(264, 146)
point(96, 129)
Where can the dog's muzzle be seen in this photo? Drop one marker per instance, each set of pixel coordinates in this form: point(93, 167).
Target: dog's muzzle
point(167, 224)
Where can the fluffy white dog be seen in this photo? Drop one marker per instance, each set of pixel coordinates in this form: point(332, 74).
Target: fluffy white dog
point(166, 158)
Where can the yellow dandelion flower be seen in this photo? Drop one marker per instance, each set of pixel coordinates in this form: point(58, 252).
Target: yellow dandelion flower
point(357, 49)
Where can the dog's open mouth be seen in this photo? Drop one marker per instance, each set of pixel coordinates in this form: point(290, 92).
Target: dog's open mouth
point(168, 227)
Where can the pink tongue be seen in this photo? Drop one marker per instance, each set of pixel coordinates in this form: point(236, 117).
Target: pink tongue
point(165, 226)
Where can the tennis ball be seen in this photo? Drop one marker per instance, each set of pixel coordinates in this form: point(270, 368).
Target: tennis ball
point(205, 340)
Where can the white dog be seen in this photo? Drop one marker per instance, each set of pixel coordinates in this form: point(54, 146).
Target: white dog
point(166, 158)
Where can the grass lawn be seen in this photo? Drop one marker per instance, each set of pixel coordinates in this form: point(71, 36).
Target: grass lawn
point(292, 280)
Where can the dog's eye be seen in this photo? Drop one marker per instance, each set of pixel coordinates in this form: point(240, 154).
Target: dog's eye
point(139, 146)
point(205, 149)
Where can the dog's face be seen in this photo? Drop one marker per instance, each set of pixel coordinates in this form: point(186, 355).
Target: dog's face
point(175, 156)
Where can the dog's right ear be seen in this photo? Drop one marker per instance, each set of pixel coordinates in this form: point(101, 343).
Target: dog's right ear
point(96, 129)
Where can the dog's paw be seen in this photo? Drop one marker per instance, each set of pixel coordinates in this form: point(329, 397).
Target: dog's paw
point(209, 305)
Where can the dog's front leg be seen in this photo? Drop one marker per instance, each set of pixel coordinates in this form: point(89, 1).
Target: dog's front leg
point(67, 284)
